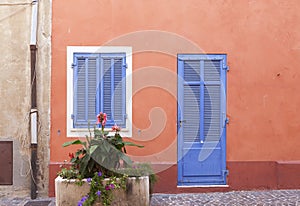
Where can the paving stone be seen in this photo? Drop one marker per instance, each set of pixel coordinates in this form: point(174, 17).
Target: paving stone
point(234, 198)
point(259, 198)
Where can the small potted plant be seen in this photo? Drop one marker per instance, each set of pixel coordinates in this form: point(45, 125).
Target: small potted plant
point(100, 172)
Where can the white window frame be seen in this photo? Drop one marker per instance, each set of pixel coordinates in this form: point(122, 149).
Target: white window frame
point(81, 132)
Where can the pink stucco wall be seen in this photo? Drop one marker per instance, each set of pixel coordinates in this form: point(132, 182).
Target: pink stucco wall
point(261, 39)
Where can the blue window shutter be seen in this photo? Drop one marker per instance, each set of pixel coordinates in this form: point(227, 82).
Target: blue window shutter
point(191, 127)
point(212, 113)
point(192, 70)
point(212, 100)
point(191, 104)
point(85, 89)
point(119, 91)
point(106, 87)
point(113, 101)
point(99, 86)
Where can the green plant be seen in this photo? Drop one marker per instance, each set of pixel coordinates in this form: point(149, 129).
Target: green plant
point(101, 189)
point(139, 170)
point(101, 153)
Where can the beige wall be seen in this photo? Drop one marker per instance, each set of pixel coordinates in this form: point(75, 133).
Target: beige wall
point(15, 24)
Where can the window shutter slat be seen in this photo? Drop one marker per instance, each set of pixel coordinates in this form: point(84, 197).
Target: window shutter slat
point(99, 86)
point(212, 113)
point(191, 128)
point(107, 88)
point(80, 91)
point(212, 100)
point(212, 70)
point(92, 86)
point(119, 94)
point(85, 91)
point(192, 70)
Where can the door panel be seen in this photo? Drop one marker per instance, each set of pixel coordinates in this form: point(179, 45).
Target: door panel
point(201, 122)
point(208, 167)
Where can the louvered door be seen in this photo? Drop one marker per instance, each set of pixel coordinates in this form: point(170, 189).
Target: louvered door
point(201, 119)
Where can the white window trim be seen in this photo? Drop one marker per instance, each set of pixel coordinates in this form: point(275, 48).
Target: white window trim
point(76, 132)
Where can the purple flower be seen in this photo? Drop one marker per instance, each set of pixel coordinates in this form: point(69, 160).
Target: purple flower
point(107, 187)
point(112, 186)
point(99, 174)
point(83, 199)
point(98, 193)
point(89, 180)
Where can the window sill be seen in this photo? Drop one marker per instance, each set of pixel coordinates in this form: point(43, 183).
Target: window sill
point(86, 132)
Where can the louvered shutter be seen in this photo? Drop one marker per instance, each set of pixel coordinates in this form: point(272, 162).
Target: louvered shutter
point(99, 86)
point(202, 97)
point(212, 100)
point(85, 89)
point(113, 87)
point(191, 92)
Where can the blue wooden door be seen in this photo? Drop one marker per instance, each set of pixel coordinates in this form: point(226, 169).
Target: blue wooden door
point(201, 119)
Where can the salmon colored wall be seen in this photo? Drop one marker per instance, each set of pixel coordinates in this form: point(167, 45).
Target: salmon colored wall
point(261, 38)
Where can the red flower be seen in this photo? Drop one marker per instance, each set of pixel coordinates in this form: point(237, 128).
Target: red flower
point(101, 119)
point(71, 155)
point(115, 128)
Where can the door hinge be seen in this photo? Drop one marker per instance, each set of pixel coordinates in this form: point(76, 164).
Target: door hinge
point(227, 120)
point(226, 68)
point(181, 121)
point(72, 116)
point(225, 172)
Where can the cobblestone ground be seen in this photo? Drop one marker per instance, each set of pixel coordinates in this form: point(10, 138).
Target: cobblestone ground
point(239, 198)
point(258, 198)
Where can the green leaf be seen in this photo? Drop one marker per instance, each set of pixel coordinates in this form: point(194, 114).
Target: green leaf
point(84, 162)
point(126, 159)
point(99, 156)
point(74, 142)
point(132, 144)
point(78, 152)
point(97, 132)
point(93, 148)
point(106, 146)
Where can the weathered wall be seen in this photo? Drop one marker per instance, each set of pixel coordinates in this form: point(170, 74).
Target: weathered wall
point(43, 92)
point(261, 38)
point(15, 90)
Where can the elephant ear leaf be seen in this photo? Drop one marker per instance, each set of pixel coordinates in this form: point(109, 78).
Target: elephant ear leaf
point(126, 159)
point(74, 142)
point(83, 164)
point(132, 144)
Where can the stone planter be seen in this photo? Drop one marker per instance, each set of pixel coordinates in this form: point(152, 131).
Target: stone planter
point(67, 193)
